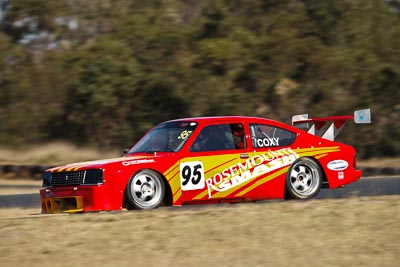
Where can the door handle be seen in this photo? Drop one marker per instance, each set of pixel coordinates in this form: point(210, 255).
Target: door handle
point(244, 156)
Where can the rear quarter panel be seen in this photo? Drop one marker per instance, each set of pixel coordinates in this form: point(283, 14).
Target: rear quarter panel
point(328, 154)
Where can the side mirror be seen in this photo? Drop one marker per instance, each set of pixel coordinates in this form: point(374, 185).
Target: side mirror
point(125, 151)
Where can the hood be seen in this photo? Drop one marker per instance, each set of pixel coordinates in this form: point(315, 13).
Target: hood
point(97, 164)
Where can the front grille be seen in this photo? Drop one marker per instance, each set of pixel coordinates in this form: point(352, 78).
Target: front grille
point(87, 177)
point(68, 178)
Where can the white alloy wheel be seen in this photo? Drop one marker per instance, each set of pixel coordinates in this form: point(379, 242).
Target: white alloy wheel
point(145, 190)
point(304, 179)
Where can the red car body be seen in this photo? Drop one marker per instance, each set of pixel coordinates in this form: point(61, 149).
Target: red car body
point(264, 159)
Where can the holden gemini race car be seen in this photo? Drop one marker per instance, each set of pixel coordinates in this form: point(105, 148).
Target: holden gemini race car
point(207, 160)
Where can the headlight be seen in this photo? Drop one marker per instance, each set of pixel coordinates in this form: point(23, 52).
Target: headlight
point(93, 177)
point(46, 179)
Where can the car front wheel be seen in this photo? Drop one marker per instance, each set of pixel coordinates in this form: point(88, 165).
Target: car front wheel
point(145, 190)
point(304, 179)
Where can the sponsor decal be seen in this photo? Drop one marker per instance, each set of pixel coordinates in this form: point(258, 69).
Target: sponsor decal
point(192, 175)
point(138, 161)
point(338, 165)
point(252, 168)
point(340, 175)
point(265, 142)
point(185, 134)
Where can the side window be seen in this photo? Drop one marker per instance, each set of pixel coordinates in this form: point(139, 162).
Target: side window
point(220, 137)
point(270, 136)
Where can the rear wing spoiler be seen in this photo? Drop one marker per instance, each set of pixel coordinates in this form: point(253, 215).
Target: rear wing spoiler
point(316, 126)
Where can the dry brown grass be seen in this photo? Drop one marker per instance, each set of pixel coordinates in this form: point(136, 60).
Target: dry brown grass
point(54, 154)
point(331, 232)
point(337, 232)
point(17, 186)
point(381, 163)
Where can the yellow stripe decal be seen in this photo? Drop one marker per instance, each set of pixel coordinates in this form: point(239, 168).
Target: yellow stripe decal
point(201, 195)
point(320, 156)
point(275, 164)
point(262, 181)
point(177, 195)
point(268, 178)
point(169, 174)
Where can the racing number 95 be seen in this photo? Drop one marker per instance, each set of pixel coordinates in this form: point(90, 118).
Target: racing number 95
point(192, 175)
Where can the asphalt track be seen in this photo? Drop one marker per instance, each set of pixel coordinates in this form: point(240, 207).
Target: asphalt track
point(376, 186)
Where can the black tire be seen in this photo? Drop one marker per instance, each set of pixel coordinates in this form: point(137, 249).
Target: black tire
point(145, 190)
point(304, 179)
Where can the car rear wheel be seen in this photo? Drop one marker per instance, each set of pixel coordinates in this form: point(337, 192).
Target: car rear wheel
point(145, 190)
point(304, 179)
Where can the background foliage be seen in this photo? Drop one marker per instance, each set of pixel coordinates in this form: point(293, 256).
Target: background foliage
point(102, 72)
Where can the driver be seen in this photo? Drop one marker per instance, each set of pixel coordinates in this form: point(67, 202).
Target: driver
point(216, 139)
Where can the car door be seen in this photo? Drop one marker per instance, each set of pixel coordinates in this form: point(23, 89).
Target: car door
point(271, 146)
point(210, 170)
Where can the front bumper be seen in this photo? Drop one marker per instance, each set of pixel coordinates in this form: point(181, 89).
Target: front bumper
point(74, 199)
point(62, 204)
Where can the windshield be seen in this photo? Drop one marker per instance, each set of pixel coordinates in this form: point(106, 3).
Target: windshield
point(166, 137)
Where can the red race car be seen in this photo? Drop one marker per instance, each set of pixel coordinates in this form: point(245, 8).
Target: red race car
point(210, 160)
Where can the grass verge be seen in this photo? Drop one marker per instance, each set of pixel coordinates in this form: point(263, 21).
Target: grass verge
point(332, 232)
